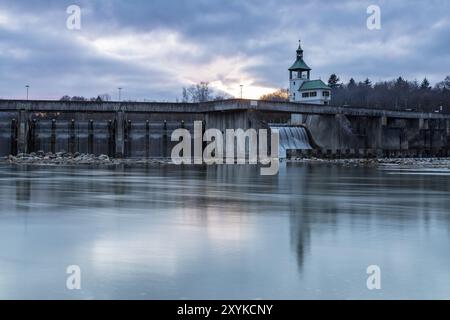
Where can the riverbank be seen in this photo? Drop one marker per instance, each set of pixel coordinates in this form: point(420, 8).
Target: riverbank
point(63, 158)
point(68, 159)
point(381, 162)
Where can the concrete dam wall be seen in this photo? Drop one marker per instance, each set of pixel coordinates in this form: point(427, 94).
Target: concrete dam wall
point(144, 129)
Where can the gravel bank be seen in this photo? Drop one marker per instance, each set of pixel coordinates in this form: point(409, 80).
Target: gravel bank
point(64, 158)
point(383, 162)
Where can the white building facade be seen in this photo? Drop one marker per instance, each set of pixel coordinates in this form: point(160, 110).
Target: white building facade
point(301, 88)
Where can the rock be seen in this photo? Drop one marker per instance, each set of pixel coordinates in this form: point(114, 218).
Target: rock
point(103, 157)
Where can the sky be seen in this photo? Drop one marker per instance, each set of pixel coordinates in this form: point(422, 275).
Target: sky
point(152, 49)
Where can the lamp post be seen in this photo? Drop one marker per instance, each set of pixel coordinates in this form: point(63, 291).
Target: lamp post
point(28, 87)
point(120, 93)
point(242, 86)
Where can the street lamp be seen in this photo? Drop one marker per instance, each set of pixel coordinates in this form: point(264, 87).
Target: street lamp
point(120, 93)
point(28, 87)
point(242, 86)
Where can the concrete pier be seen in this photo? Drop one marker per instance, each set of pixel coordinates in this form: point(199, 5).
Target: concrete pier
point(120, 134)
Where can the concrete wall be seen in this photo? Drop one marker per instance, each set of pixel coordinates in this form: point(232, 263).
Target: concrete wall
point(144, 129)
point(379, 135)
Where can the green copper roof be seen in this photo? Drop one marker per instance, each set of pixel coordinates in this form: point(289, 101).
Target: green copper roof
point(299, 65)
point(313, 84)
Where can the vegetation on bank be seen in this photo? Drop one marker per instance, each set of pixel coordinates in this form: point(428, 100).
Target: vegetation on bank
point(397, 94)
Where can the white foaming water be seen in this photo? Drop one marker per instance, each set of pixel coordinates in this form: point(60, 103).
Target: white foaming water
point(292, 138)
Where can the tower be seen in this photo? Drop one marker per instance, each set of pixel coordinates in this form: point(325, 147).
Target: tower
point(299, 72)
point(302, 88)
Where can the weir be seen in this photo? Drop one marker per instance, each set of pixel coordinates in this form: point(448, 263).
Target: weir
point(138, 129)
point(292, 138)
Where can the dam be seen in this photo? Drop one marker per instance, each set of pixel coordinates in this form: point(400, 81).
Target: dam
point(143, 129)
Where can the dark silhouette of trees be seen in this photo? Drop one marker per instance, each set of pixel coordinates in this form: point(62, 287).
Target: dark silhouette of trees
point(425, 85)
point(65, 98)
point(201, 92)
point(444, 85)
point(99, 98)
point(333, 81)
point(398, 94)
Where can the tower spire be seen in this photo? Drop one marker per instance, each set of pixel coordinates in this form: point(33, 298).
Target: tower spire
point(299, 50)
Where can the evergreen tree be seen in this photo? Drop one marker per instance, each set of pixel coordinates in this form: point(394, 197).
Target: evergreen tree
point(351, 84)
point(425, 85)
point(333, 81)
point(367, 83)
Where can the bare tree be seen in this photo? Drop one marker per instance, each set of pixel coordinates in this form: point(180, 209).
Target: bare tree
point(222, 96)
point(201, 92)
point(279, 95)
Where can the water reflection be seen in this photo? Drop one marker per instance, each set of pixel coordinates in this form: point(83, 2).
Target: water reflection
point(223, 232)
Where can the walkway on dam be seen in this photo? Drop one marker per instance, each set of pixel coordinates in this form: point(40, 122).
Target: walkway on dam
point(208, 107)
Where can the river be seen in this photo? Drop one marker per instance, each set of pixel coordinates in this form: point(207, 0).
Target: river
point(224, 232)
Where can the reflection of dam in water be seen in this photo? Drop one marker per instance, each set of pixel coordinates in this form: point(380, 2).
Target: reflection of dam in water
point(292, 138)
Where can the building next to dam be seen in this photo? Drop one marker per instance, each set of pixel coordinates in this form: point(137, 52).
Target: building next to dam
point(302, 88)
point(308, 125)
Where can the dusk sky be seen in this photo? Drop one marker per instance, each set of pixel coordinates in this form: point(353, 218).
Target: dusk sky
point(154, 48)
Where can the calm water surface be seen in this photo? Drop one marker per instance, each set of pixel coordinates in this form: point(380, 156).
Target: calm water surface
point(224, 232)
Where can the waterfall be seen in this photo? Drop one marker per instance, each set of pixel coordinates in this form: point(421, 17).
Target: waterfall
point(292, 138)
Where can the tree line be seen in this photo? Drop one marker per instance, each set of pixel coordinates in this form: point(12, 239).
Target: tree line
point(99, 98)
point(396, 94)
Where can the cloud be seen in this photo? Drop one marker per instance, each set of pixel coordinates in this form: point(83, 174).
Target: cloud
point(154, 48)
